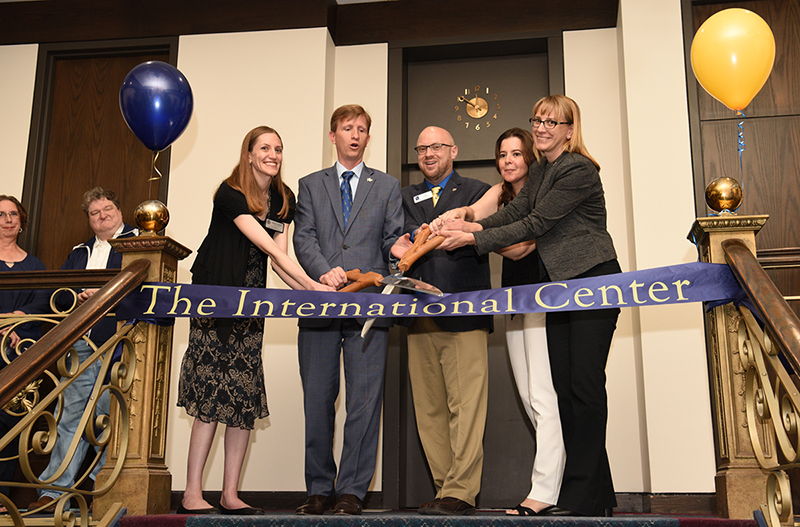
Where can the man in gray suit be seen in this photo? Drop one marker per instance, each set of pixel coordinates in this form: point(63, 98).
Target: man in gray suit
point(348, 217)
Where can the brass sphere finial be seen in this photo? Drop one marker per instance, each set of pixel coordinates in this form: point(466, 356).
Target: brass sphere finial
point(151, 216)
point(724, 195)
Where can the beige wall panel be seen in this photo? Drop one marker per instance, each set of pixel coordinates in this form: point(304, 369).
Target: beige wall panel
point(676, 398)
point(18, 64)
point(240, 81)
point(592, 78)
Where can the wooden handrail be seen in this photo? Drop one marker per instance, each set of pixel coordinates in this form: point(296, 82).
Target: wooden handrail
point(56, 279)
point(781, 321)
point(32, 363)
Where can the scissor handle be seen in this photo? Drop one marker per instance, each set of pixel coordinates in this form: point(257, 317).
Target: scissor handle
point(421, 247)
point(360, 280)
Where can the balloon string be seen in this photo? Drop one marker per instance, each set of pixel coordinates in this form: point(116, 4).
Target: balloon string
point(154, 168)
point(741, 140)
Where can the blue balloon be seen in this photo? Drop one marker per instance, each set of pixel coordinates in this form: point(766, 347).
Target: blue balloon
point(156, 103)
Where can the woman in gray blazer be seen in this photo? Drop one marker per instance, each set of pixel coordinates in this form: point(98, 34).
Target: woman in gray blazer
point(562, 206)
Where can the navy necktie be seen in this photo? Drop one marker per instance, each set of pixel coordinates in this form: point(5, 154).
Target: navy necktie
point(347, 195)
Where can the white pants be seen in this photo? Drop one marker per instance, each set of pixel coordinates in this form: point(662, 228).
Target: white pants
point(527, 350)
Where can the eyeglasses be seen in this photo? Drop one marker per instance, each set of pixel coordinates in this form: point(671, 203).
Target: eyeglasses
point(435, 147)
point(11, 214)
point(548, 123)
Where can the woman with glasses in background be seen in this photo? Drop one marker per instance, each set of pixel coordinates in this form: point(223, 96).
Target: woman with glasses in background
point(16, 338)
point(562, 206)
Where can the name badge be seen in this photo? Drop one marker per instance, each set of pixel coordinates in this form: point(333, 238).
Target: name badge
point(423, 196)
point(276, 226)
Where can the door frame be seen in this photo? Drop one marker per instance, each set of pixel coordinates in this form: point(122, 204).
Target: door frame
point(33, 185)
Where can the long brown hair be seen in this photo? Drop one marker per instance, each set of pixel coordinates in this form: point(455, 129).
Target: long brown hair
point(243, 180)
point(565, 109)
point(507, 192)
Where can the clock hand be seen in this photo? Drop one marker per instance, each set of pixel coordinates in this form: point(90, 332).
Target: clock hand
point(465, 100)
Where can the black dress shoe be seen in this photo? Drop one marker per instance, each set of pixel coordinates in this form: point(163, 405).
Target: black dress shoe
point(349, 505)
point(196, 512)
point(316, 505)
point(244, 511)
point(555, 510)
point(449, 507)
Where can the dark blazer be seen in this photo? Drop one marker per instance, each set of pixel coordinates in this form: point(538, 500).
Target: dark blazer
point(455, 271)
point(563, 207)
point(321, 241)
point(77, 259)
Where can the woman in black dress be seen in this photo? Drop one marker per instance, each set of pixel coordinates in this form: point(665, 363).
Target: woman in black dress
point(222, 376)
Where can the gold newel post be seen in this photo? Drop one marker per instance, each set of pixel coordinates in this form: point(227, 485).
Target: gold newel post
point(740, 483)
point(145, 484)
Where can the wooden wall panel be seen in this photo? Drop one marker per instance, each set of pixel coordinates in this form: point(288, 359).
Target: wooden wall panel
point(771, 160)
point(88, 144)
point(361, 23)
point(472, 20)
point(80, 20)
point(770, 175)
point(781, 93)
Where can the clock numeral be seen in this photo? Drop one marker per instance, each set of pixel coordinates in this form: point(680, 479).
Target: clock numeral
point(494, 117)
point(495, 96)
point(488, 124)
point(478, 126)
point(498, 106)
point(466, 125)
point(466, 91)
point(477, 88)
point(459, 118)
point(487, 92)
point(456, 107)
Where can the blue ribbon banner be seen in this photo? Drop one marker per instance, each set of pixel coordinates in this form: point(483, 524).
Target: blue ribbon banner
point(674, 284)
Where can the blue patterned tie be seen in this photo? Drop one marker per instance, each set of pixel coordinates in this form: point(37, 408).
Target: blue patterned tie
point(347, 195)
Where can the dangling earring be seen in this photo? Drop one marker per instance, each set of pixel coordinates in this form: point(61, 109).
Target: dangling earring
point(20, 231)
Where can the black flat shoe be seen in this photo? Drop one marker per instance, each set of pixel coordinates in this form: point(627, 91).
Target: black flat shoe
point(244, 511)
point(196, 512)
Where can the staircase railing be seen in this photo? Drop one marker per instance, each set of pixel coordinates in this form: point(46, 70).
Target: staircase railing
point(769, 350)
point(20, 381)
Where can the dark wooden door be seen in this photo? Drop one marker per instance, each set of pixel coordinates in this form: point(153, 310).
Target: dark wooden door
point(509, 444)
point(84, 142)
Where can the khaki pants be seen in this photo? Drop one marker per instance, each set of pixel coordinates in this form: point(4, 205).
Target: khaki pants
point(449, 381)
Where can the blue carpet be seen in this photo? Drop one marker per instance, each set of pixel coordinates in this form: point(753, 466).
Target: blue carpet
point(413, 519)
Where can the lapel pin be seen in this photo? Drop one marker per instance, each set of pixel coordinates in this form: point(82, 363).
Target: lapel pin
point(369, 179)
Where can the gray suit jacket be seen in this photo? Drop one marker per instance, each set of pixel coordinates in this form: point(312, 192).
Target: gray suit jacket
point(320, 239)
point(563, 207)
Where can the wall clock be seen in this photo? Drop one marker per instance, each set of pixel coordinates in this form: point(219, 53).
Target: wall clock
point(475, 99)
point(478, 109)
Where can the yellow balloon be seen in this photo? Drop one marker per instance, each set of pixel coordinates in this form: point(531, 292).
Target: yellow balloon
point(732, 56)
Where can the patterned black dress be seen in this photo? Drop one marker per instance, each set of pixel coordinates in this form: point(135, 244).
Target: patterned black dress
point(225, 382)
point(222, 373)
